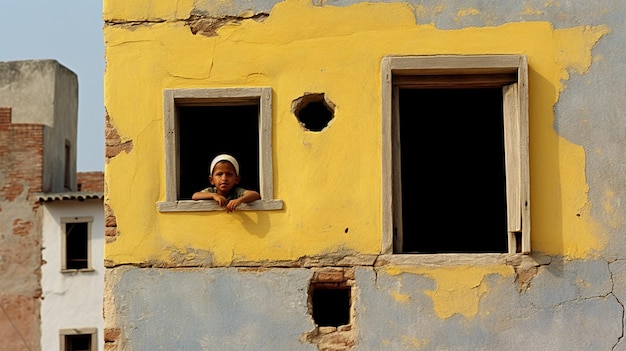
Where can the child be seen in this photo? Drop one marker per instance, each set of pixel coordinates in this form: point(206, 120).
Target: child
point(224, 176)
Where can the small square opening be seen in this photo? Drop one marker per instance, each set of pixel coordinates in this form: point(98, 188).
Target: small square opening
point(331, 306)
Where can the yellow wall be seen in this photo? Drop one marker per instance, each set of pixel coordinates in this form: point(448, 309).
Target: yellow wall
point(329, 181)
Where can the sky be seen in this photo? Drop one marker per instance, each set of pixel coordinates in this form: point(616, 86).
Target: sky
point(69, 31)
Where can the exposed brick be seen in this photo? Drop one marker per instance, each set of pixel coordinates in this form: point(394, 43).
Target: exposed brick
point(21, 156)
point(109, 217)
point(111, 334)
point(90, 181)
point(21, 227)
point(113, 141)
point(328, 275)
point(5, 116)
point(110, 231)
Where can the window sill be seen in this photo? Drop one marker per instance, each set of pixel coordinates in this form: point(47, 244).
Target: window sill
point(77, 270)
point(210, 205)
point(463, 259)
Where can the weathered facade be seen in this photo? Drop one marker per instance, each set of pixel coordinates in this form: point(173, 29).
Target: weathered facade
point(332, 257)
point(38, 188)
point(38, 114)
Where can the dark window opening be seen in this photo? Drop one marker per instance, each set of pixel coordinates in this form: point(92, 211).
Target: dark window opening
point(66, 165)
point(331, 306)
point(313, 111)
point(76, 245)
point(78, 342)
point(453, 171)
point(205, 132)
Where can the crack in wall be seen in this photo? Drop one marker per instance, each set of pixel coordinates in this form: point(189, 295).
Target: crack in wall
point(611, 273)
point(208, 26)
point(198, 22)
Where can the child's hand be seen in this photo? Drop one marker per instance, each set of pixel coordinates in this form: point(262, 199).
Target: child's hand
point(232, 205)
point(219, 199)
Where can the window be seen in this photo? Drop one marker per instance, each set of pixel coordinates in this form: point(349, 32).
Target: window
point(455, 137)
point(76, 243)
point(79, 339)
point(67, 168)
point(200, 124)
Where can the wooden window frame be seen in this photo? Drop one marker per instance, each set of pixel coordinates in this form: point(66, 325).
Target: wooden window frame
point(64, 222)
point(79, 331)
point(172, 98)
point(455, 71)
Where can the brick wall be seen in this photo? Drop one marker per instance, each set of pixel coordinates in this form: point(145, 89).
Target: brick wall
point(21, 172)
point(90, 181)
point(21, 157)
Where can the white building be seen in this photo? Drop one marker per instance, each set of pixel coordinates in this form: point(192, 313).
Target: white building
point(72, 271)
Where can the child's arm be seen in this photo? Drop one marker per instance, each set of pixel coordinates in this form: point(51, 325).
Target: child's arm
point(206, 195)
point(202, 195)
point(248, 196)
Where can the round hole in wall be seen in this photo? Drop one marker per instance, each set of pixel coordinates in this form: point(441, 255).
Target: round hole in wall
point(313, 111)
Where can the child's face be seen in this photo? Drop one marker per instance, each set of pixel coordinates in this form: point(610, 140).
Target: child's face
point(224, 177)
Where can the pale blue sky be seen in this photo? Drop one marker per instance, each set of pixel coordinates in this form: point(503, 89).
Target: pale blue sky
point(69, 31)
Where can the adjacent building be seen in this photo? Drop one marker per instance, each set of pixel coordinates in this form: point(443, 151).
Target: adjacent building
point(72, 274)
point(51, 217)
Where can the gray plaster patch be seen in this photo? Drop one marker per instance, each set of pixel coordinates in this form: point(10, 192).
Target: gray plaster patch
point(213, 309)
point(568, 307)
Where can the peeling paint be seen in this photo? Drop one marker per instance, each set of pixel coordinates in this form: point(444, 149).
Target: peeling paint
point(458, 289)
point(470, 11)
point(263, 53)
point(574, 47)
point(402, 298)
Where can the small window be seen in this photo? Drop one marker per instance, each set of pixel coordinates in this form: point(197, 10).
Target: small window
point(202, 123)
point(76, 243)
point(79, 339)
point(456, 139)
point(67, 165)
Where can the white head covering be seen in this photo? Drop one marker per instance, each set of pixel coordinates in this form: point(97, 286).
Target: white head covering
point(224, 157)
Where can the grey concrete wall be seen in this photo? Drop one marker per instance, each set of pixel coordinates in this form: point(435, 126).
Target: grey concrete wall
point(28, 87)
point(45, 92)
point(65, 128)
point(203, 309)
point(571, 306)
